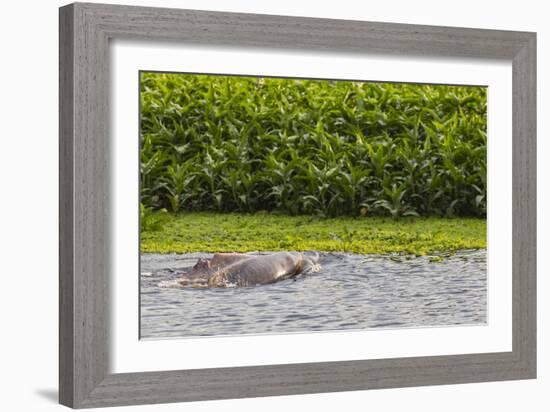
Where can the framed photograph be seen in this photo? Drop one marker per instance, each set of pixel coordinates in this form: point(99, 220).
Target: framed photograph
point(256, 205)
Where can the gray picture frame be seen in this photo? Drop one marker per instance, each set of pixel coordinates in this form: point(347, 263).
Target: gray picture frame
point(85, 32)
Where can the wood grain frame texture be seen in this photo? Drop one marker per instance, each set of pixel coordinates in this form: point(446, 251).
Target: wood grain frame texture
point(85, 31)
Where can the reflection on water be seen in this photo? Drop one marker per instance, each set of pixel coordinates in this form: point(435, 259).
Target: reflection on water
point(350, 292)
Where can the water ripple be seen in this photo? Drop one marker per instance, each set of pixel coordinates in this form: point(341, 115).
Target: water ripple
point(350, 292)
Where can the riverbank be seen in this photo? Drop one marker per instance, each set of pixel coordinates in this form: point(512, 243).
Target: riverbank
point(213, 232)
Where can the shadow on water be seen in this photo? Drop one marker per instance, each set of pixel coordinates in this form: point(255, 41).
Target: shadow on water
point(351, 291)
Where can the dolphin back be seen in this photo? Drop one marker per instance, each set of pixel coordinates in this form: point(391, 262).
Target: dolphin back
point(259, 270)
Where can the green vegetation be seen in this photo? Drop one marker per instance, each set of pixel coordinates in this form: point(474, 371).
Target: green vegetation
point(216, 232)
point(245, 164)
point(238, 144)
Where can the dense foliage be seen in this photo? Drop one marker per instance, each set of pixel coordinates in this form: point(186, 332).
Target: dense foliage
point(243, 144)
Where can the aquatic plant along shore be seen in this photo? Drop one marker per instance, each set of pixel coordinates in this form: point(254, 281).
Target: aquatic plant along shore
point(164, 232)
point(327, 148)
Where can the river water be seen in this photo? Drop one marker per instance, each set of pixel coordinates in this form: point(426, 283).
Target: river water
point(350, 292)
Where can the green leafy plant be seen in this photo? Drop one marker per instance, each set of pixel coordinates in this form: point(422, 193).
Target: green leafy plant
point(317, 147)
point(152, 222)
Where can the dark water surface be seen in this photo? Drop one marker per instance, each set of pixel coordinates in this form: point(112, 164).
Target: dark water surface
point(350, 292)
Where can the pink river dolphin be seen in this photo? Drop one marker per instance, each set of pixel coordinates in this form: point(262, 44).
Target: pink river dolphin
point(240, 269)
